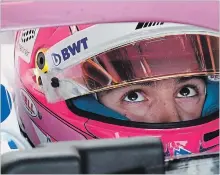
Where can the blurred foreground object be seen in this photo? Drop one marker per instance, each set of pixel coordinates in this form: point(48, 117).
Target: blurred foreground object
point(108, 156)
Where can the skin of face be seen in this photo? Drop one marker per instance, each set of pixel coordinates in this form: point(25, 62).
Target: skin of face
point(164, 101)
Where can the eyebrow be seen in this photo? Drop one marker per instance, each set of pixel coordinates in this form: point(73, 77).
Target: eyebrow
point(150, 83)
point(178, 80)
point(184, 79)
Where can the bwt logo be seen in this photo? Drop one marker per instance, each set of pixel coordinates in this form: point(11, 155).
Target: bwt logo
point(69, 51)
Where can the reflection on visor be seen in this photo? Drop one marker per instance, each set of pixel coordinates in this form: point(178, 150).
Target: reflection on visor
point(169, 55)
point(158, 58)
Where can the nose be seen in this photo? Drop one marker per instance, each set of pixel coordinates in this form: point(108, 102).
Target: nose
point(167, 110)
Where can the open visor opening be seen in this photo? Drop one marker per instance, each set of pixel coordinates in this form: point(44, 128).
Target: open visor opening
point(149, 59)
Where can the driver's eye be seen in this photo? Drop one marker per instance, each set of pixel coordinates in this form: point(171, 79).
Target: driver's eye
point(187, 91)
point(134, 96)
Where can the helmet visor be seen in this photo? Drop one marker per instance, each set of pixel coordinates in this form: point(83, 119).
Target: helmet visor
point(165, 56)
point(145, 60)
point(168, 56)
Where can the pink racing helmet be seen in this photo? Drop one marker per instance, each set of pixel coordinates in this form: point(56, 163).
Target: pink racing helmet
point(120, 80)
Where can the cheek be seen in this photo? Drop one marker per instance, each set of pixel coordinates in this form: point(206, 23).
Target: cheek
point(191, 106)
point(108, 100)
point(133, 111)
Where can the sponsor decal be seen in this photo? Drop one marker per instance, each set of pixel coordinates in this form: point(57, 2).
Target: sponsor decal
point(141, 25)
point(6, 103)
point(73, 29)
point(43, 138)
point(23, 50)
point(178, 148)
point(12, 144)
point(25, 44)
point(69, 51)
point(181, 151)
point(27, 35)
point(202, 149)
point(48, 139)
point(29, 104)
point(214, 78)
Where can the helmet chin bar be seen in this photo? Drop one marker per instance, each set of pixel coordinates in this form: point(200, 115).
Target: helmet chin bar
point(140, 155)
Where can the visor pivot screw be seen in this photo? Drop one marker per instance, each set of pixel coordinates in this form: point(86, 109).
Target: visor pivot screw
point(55, 82)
